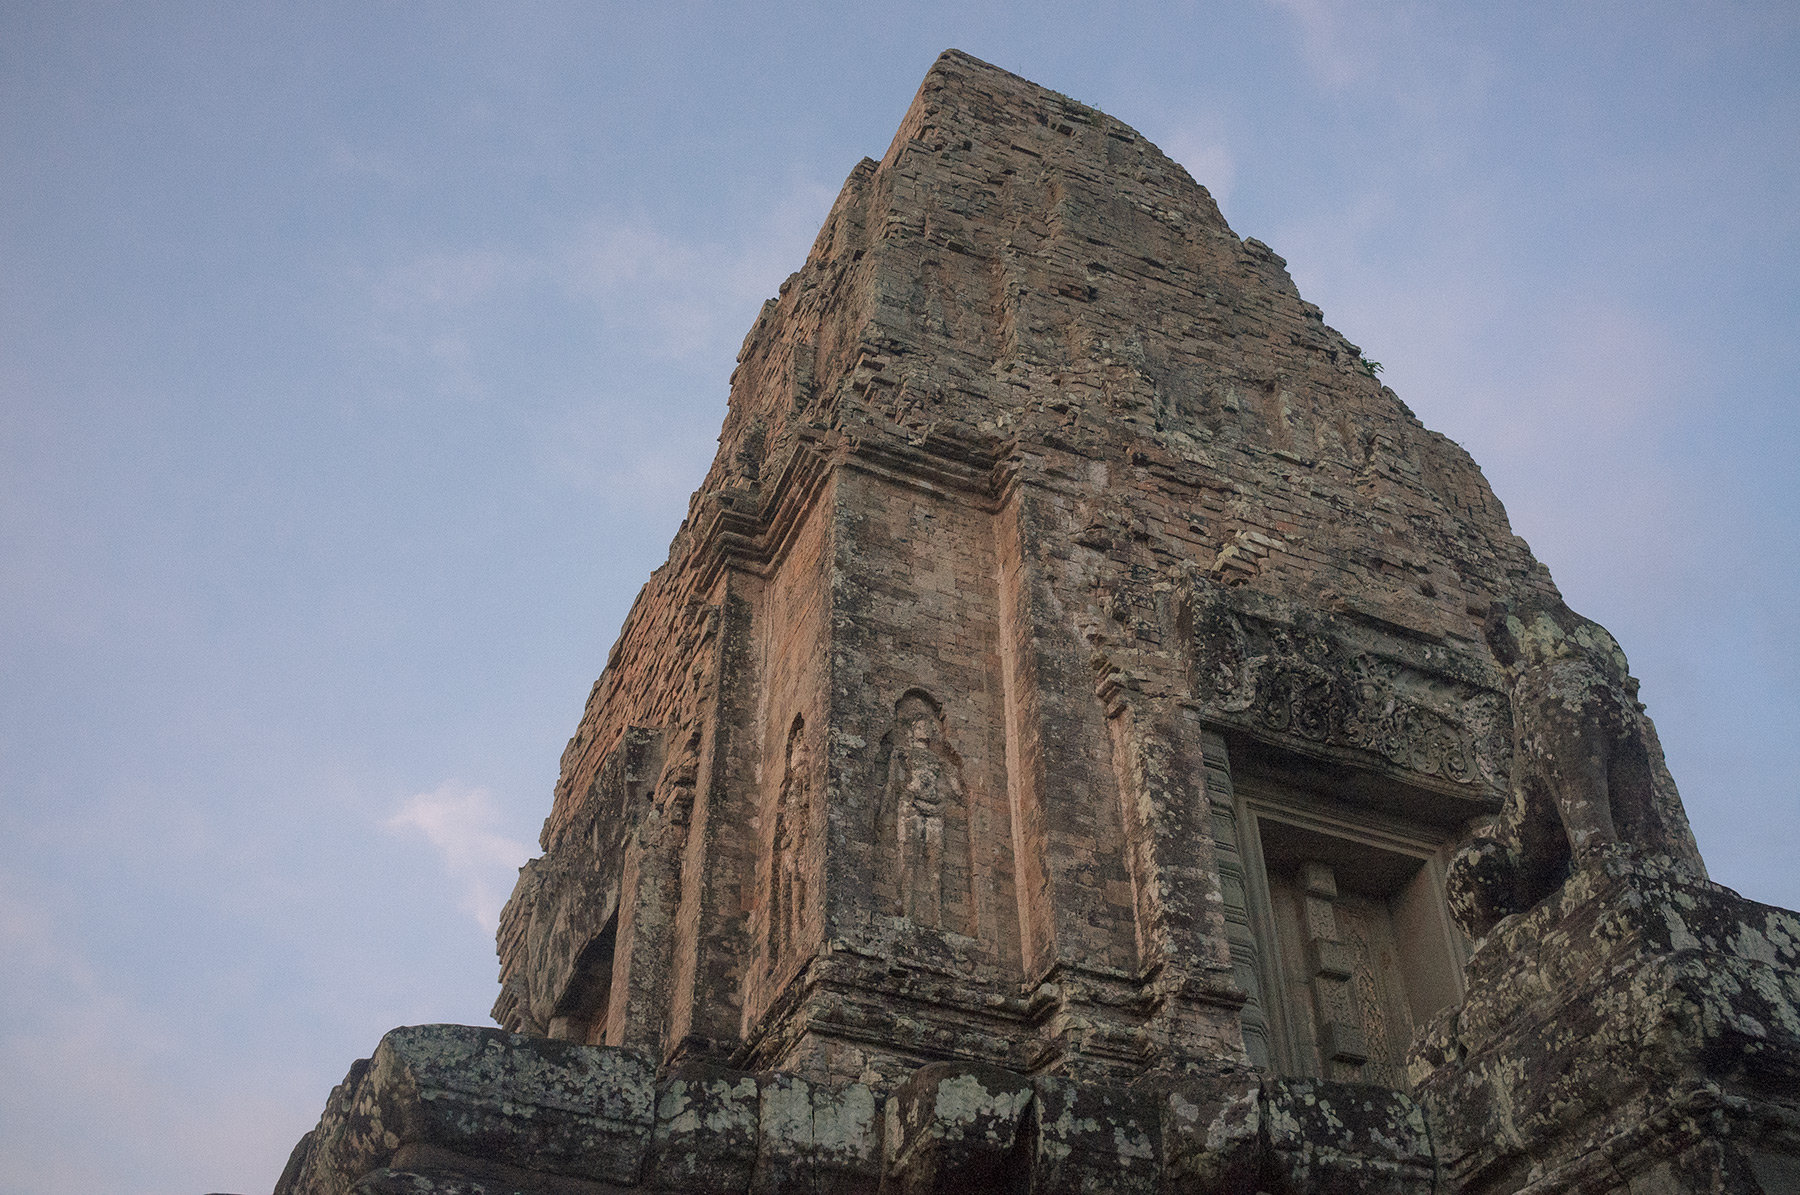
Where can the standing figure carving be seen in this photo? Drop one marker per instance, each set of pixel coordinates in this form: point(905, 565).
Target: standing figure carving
point(1584, 770)
point(924, 787)
point(793, 815)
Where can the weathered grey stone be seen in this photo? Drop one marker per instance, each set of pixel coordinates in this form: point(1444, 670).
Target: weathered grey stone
point(580, 1111)
point(1586, 777)
point(785, 1151)
point(953, 1127)
point(538, 1105)
point(337, 1152)
point(409, 1182)
point(1213, 1136)
point(707, 1130)
point(817, 1138)
point(290, 1173)
point(1643, 1025)
point(1084, 1139)
point(1347, 1138)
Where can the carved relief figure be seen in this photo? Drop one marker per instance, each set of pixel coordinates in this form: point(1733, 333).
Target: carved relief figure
point(1584, 781)
point(787, 872)
point(924, 784)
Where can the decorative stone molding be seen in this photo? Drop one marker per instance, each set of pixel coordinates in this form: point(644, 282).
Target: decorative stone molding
point(1304, 677)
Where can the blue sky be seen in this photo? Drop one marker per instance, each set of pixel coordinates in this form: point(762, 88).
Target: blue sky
point(357, 361)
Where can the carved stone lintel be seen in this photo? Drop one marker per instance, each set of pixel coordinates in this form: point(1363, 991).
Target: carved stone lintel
point(1307, 677)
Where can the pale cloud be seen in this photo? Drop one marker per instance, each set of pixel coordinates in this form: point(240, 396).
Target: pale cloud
point(685, 296)
point(425, 314)
point(463, 825)
point(661, 293)
point(667, 298)
point(451, 279)
point(650, 480)
point(664, 289)
point(1568, 404)
point(343, 158)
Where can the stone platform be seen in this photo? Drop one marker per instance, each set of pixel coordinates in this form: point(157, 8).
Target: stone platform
point(458, 1110)
point(1637, 1035)
point(1638, 1032)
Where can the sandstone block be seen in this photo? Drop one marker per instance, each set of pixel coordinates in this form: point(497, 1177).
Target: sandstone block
point(1089, 1139)
point(1348, 1138)
point(1213, 1135)
point(387, 1181)
point(707, 1127)
point(953, 1127)
point(544, 1105)
point(449, 1092)
point(817, 1138)
point(330, 1157)
point(1644, 1023)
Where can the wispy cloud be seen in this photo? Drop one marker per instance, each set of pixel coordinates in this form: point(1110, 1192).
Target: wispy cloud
point(685, 295)
point(345, 159)
point(667, 299)
point(462, 824)
point(661, 292)
point(425, 315)
point(451, 279)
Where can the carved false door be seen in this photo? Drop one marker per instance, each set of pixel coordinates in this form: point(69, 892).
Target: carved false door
point(1346, 986)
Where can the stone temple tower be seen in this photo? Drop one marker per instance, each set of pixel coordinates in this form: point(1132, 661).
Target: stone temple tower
point(1089, 735)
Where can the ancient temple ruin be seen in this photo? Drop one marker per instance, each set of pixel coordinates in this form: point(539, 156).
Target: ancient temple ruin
point(1090, 736)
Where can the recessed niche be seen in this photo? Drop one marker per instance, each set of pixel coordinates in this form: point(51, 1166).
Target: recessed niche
point(1355, 947)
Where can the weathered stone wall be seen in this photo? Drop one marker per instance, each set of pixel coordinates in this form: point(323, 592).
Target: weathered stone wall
point(1642, 1026)
point(1033, 443)
point(1639, 1035)
point(443, 1109)
point(899, 847)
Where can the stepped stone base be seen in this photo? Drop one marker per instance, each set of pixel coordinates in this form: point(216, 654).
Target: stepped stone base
point(458, 1110)
point(1637, 1033)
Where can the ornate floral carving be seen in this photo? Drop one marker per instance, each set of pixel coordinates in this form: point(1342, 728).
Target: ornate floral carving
point(1316, 678)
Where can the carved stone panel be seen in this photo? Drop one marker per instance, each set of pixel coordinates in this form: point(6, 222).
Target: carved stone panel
point(1301, 676)
point(924, 817)
point(1354, 943)
point(788, 856)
